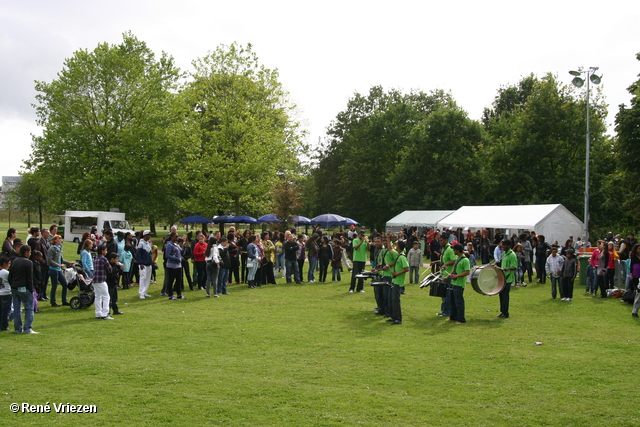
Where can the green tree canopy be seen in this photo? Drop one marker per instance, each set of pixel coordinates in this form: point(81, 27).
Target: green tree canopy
point(240, 136)
point(105, 121)
point(628, 144)
point(535, 152)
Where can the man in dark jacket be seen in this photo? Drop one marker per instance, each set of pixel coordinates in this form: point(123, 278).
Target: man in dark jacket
point(21, 280)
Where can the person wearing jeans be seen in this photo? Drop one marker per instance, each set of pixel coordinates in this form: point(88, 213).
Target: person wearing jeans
point(553, 267)
point(225, 264)
point(252, 260)
point(21, 279)
point(291, 248)
point(56, 263)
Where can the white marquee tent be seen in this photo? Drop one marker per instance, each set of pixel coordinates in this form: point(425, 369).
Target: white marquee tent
point(420, 219)
point(555, 222)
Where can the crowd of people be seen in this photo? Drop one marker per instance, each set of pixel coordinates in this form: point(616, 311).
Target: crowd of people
point(212, 261)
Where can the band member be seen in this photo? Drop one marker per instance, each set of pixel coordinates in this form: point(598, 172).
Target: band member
point(447, 260)
point(400, 269)
point(386, 258)
point(360, 249)
point(377, 290)
point(509, 266)
point(461, 269)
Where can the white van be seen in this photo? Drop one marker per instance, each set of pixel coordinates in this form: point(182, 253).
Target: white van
point(78, 222)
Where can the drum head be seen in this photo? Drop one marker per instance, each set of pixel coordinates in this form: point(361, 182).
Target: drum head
point(487, 280)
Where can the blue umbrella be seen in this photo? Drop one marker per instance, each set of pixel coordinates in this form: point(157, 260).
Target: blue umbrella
point(329, 219)
point(243, 219)
point(196, 219)
point(299, 219)
point(351, 221)
point(222, 219)
point(268, 219)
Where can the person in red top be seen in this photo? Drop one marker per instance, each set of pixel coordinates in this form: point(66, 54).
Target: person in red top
point(592, 273)
point(611, 266)
point(199, 261)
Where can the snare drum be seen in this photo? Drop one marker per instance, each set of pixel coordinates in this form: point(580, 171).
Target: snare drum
point(487, 279)
point(438, 289)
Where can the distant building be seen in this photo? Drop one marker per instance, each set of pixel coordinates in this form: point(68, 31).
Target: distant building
point(8, 184)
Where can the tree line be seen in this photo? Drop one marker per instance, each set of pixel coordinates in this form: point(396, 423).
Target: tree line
point(390, 151)
point(123, 128)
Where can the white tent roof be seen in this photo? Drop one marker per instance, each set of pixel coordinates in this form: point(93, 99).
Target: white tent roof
point(418, 218)
point(555, 222)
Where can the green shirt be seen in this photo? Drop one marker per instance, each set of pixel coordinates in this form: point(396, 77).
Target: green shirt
point(447, 256)
point(389, 257)
point(463, 265)
point(360, 254)
point(509, 259)
point(400, 265)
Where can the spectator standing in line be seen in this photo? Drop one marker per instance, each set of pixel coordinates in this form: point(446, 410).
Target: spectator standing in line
point(291, 248)
point(569, 273)
point(143, 256)
point(5, 292)
point(101, 268)
point(21, 280)
point(553, 266)
point(43, 246)
point(173, 257)
point(56, 263)
point(415, 262)
point(7, 246)
point(112, 282)
point(225, 265)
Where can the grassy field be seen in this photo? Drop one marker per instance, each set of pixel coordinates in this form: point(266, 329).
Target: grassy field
point(313, 354)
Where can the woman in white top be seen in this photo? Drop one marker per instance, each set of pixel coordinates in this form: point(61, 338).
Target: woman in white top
point(213, 264)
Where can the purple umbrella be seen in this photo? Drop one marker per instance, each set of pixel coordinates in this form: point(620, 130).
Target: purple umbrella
point(268, 219)
point(243, 219)
point(329, 219)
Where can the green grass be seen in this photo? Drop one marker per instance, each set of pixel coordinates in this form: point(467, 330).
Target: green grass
point(314, 354)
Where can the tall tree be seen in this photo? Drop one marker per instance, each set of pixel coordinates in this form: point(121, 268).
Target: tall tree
point(535, 152)
point(436, 169)
point(105, 141)
point(241, 131)
point(628, 144)
point(31, 195)
point(363, 147)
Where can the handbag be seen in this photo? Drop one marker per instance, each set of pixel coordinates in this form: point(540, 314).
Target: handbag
point(250, 263)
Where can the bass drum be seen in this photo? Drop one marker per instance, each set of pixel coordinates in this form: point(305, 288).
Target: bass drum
point(487, 279)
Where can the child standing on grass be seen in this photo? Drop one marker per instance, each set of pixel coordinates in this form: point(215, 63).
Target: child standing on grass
point(112, 281)
point(415, 262)
point(519, 250)
point(336, 262)
point(101, 268)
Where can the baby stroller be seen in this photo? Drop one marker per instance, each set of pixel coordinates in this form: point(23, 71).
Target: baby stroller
point(76, 277)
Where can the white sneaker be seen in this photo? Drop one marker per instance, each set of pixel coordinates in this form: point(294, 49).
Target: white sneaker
point(568, 299)
point(147, 296)
point(350, 291)
point(108, 318)
point(30, 331)
point(362, 292)
point(141, 296)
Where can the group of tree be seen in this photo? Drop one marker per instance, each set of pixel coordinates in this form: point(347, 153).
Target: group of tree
point(388, 152)
point(125, 129)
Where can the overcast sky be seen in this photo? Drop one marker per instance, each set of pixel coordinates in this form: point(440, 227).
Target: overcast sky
point(326, 51)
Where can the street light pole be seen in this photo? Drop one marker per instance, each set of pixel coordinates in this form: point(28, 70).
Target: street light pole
point(579, 82)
